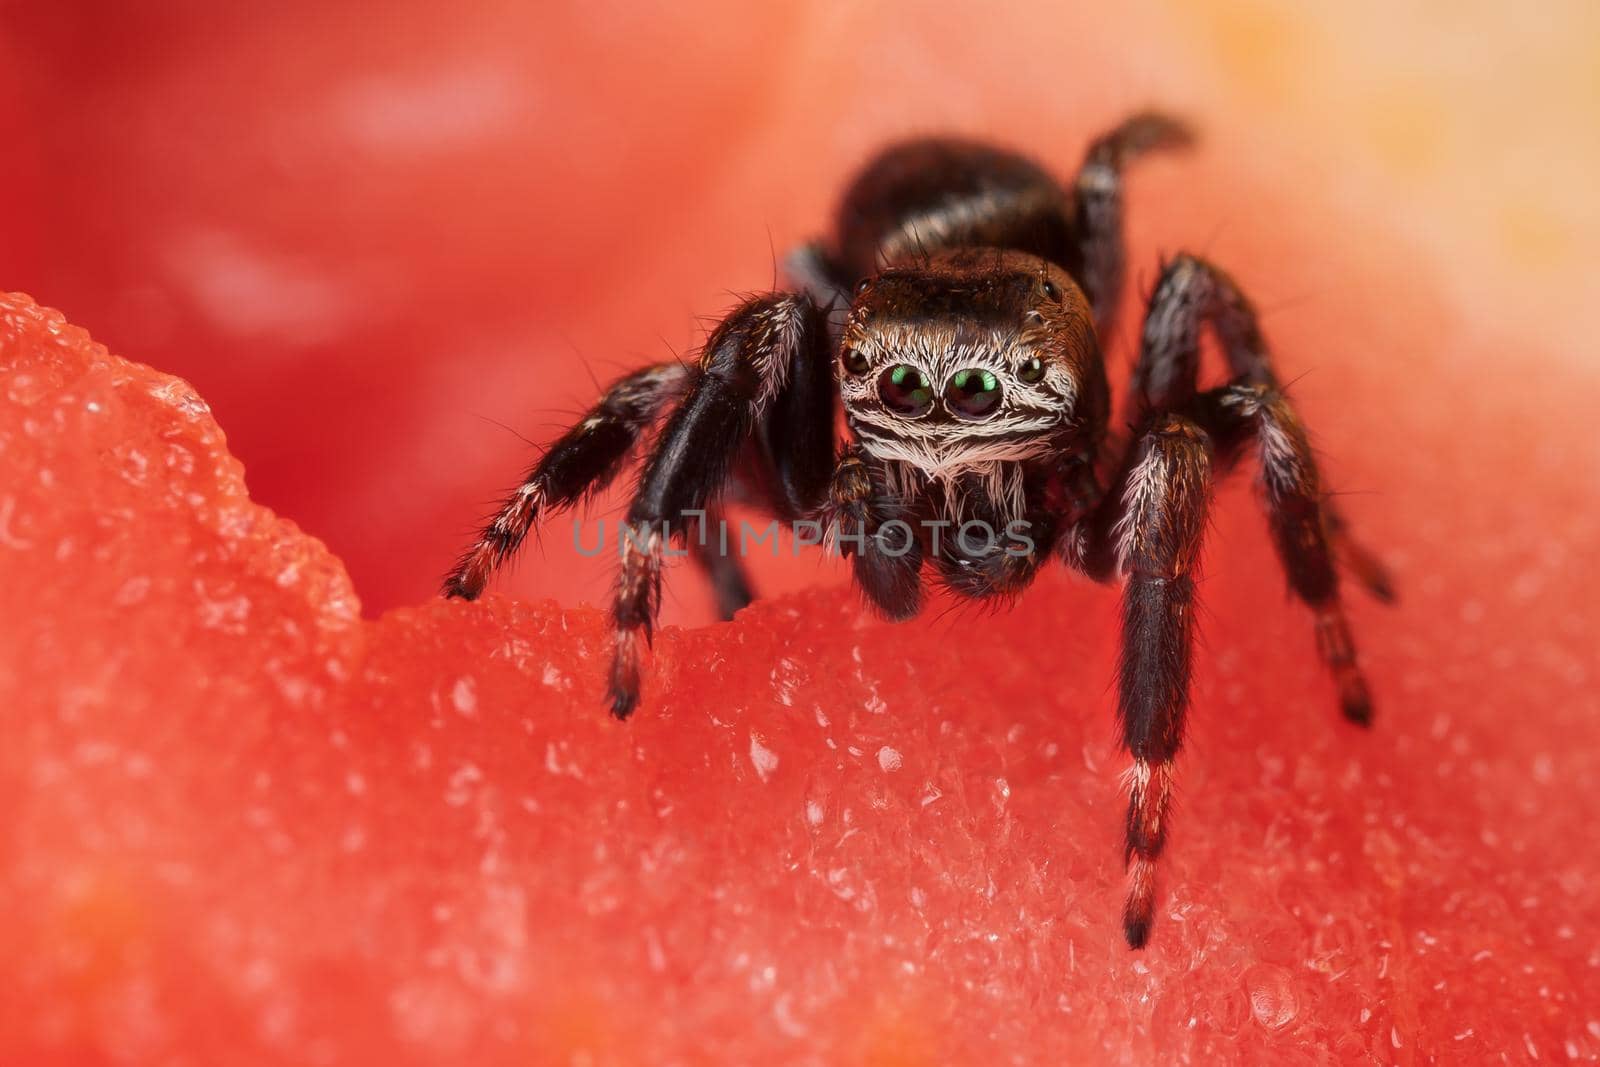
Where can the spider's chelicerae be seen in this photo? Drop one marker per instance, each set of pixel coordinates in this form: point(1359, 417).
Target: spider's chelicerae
point(955, 316)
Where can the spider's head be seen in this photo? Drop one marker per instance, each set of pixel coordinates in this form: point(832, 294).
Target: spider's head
point(966, 359)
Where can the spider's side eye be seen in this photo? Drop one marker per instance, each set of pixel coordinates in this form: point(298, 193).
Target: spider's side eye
point(1052, 290)
point(861, 286)
point(855, 363)
point(906, 391)
point(972, 394)
point(1031, 370)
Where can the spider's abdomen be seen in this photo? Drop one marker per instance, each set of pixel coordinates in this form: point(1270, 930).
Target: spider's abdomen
point(932, 195)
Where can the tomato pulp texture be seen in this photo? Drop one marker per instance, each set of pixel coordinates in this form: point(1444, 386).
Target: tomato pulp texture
point(245, 824)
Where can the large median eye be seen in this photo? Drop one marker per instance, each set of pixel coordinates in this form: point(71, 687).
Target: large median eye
point(972, 393)
point(906, 391)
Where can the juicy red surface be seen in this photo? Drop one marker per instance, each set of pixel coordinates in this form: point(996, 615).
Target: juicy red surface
point(246, 825)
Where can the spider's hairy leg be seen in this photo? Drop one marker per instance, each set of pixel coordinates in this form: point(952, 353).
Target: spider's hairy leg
point(1097, 198)
point(584, 460)
point(746, 369)
point(1307, 533)
point(1250, 362)
point(885, 554)
point(1358, 560)
point(1297, 514)
point(795, 440)
point(1165, 491)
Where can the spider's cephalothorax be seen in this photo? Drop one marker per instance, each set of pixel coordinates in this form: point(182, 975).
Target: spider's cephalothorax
point(969, 360)
point(955, 317)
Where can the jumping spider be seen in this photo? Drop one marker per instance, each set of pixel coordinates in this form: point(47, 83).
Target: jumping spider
point(956, 319)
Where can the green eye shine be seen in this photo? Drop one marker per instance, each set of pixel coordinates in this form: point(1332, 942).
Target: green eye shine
point(906, 391)
point(973, 393)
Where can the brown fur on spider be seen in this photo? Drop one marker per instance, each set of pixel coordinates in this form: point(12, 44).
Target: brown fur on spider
point(955, 318)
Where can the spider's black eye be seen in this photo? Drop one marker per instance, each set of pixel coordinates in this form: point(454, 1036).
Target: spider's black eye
point(855, 363)
point(861, 286)
point(972, 394)
point(906, 391)
point(1052, 290)
point(1031, 370)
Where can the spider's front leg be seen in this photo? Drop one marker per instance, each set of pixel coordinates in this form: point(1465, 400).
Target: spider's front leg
point(765, 365)
point(1165, 491)
point(1151, 524)
point(584, 460)
point(1310, 537)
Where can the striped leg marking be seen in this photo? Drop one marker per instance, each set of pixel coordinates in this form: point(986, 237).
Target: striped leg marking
point(584, 460)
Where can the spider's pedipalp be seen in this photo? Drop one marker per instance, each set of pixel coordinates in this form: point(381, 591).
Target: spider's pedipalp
point(868, 524)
